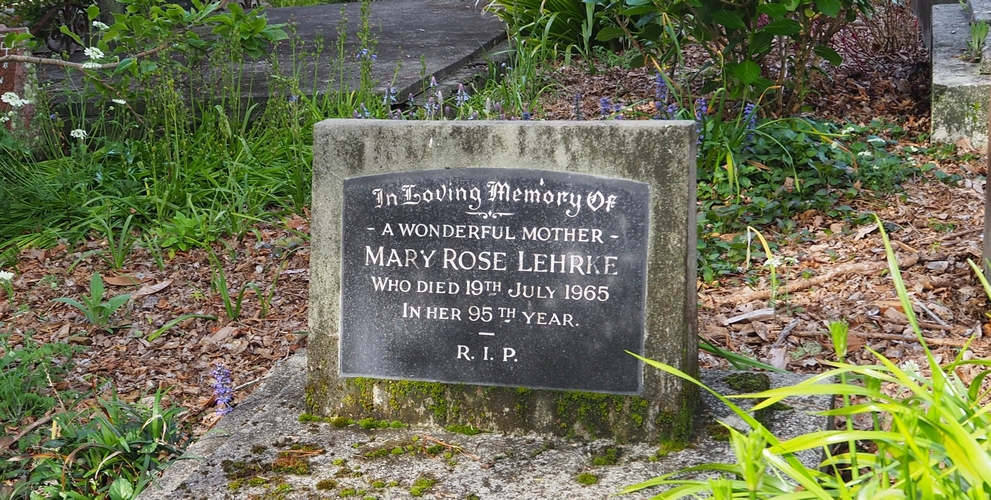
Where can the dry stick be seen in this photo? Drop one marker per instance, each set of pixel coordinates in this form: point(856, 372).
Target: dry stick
point(34, 425)
point(892, 336)
point(931, 314)
point(778, 342)
point(951, 236)
point(68, 64)
point(858, 268)
point(452, 447)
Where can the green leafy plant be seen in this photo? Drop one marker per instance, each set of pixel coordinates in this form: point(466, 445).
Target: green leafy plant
point(96, 310)
point(754, 46)
point(118, 247)
point(975, 44)
point(928, 437)
point(219, 284)
point(111, 451)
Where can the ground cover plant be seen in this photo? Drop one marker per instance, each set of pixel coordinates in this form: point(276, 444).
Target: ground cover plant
point(212, 247)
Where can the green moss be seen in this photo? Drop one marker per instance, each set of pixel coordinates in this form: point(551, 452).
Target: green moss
point(398, 451)
point(257, 481)
point(435, 449)
point(370, 423)
point(235, 484)
point(468, 430)
point(340, 462)
point(606, 457)
point(378, 484)
point(348, 492)
point(326, 484)
point(421, 485)
point(748, 382)
point(258, 449)
point(546, 446)
point(472, 496)
point(587, 479)
point(291, 464)
point(377, 453)
point(717, 431)
point(241, 470)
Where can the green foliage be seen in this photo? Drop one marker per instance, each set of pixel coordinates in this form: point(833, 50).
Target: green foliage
point(25, 369)
point(113, 450)
point(218, 283)
point(564, 26)
point(975, 44)
point(754, 46)
point(927, 439)
point(96, 310)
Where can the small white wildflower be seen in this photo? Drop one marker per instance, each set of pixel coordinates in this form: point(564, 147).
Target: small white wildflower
point(91, 65)
point(835, 145)
point(78, 133)
point(848, 130)
point(865, 154)
point(6, 276)
point(910, 366)
point(93, 53)
point(119, 101)
point(4, 119)
point(877, 141)
point(100, 26)
point(14, 100)
point(773, 262)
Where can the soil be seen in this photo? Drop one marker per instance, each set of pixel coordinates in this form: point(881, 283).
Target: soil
point(832, 269)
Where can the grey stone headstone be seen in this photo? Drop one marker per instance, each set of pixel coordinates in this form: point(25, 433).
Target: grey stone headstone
point(498, 274)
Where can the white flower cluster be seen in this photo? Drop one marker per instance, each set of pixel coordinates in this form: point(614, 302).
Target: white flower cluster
point(14, 100)
point(78, 133)
point(100, 26)
point(119, 101)
point(93, 53)
point(6, 276)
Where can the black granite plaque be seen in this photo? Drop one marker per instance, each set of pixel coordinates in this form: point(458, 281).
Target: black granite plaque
point(493, 276)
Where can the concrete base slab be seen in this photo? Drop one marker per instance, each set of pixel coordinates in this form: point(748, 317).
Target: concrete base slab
point(488, 465)
point(960, 93)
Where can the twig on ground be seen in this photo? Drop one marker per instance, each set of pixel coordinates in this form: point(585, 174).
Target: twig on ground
point(857, 268)
point(6, 442)
point(931, 314)
point(452, 447)
point(891, 336)
point(783, 336)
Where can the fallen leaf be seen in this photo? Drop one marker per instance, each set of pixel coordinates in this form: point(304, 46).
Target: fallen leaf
point(121, 280)
point(150, 289)
point(864, 231)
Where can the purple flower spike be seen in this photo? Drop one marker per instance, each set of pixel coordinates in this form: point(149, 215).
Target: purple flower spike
point(223, 388)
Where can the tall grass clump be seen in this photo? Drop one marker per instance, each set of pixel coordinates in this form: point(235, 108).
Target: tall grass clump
point(928, 436)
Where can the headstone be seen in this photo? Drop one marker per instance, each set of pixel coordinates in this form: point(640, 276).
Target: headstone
point(499, 274)
point(13, 78)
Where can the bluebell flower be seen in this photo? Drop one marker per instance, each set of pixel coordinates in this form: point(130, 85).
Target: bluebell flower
point(223, 388)
point(526, 115)
point(605, 106)
point(461, 97)
point(432, 107)
point(390, 96)
point(750, 117)
point(410, 100)
point(701, 109)
point(433, 81)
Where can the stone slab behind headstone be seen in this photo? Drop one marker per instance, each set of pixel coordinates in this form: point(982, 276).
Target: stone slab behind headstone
point(413, 373)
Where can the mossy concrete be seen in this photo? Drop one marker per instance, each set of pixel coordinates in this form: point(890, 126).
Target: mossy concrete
point(661, 154)
point(960, 93)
